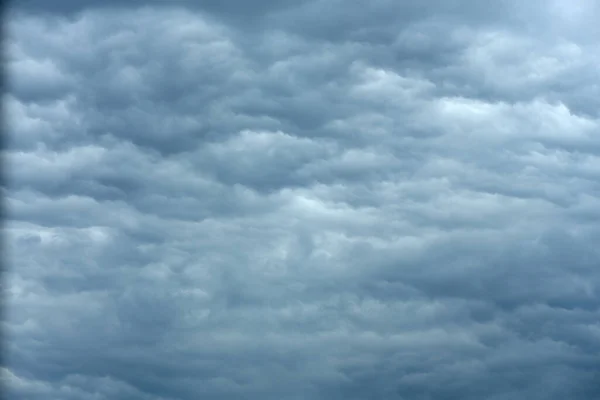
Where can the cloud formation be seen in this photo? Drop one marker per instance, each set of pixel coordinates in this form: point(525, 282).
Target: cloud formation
point(303, 200)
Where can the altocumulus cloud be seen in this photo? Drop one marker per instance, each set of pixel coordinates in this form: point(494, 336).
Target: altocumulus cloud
point(316, 199)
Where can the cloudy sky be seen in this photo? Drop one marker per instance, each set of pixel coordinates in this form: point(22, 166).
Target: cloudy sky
point(302, 199)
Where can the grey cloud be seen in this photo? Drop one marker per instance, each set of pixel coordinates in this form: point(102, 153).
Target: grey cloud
point(383, 200)
point(223, 8)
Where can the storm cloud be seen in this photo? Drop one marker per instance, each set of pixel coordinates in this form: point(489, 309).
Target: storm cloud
point(316, 199)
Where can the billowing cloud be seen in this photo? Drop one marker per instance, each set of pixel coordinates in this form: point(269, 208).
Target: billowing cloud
point(302, 200)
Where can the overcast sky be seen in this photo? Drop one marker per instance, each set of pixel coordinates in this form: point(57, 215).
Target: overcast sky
point(302, 199)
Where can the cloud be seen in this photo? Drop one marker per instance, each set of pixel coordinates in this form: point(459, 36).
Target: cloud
point(377, 200)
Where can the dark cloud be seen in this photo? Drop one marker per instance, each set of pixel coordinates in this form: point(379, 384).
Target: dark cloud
point(291, 200)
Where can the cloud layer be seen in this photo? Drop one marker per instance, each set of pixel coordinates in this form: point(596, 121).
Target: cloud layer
point(303, 200)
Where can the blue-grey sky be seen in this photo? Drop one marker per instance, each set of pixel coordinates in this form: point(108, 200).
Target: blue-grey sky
point(312, 199)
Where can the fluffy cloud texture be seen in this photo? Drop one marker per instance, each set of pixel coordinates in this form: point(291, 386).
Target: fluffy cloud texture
point(316, 199)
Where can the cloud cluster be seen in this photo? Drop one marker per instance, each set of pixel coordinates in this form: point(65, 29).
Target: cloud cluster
point(303, 200)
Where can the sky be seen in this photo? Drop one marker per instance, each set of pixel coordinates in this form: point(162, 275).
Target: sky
point(309, 199)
